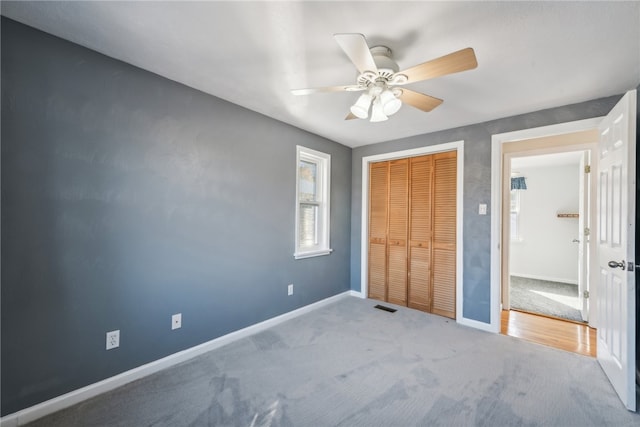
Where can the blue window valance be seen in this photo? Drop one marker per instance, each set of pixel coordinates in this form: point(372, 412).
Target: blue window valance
point(518, 183)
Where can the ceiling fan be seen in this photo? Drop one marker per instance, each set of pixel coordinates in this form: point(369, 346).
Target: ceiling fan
point(380, 79)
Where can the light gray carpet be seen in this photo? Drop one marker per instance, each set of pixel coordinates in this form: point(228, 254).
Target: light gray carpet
point(545, 297)
point(348, 364)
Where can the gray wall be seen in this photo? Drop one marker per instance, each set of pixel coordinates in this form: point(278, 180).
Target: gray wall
point(477, 189)
point(126, 198)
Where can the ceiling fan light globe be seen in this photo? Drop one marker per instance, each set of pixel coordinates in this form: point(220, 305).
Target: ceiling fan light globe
point(390, 104)
point(361, 108)
point(392, 107)
point(359, 112)
point(377, 113)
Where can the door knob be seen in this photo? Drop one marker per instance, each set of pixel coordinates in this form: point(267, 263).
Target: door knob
point(615, 264)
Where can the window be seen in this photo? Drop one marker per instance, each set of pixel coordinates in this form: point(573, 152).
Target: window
point(515, 216)
point(312, 203)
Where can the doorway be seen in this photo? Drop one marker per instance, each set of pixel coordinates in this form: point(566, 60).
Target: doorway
point(573, 137)
point(548, 228)
point(580, 139)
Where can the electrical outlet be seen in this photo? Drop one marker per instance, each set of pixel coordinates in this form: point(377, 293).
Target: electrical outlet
point(290, 289)
point(113, 339)
point(176, 321)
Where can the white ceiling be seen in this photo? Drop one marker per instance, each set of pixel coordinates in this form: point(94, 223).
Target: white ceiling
point(531, 55)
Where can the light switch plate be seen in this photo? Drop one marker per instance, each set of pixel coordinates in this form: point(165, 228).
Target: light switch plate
point(176, 321)
point(482, 209)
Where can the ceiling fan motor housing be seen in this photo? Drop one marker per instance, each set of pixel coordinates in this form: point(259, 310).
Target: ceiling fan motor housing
point(387, 67)
point(382, 57)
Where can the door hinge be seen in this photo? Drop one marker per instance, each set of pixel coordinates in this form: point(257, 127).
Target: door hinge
point(586, 294)
point(587, 231)
point(587, 168)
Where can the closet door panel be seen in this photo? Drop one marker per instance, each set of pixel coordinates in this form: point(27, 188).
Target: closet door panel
point(377, 271)
point(445, 176)
point(420, 224)
point(398, 202)
point(444, 234)
point(397, 276)
point(420, 198)
point(378, 194)
point(378, 218)
point(420, 278)
point(397, 234)
point(444, 283)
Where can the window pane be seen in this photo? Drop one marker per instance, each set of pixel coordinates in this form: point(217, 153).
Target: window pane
point(308, 223)
point(515, 201)
point(308, 187)
point(313, 173)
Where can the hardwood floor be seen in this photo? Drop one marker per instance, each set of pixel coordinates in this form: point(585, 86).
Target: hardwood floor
point(555, 333)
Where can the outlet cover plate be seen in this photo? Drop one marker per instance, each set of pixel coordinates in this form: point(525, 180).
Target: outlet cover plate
point(113, 339)
point(290, 289)
point(176, 321)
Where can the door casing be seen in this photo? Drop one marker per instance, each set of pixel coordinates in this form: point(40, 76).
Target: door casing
point(541, 139)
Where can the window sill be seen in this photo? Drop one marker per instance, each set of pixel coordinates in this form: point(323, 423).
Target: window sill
point(303, 255)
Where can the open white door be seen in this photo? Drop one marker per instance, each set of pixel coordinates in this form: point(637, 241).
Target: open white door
point(583, 237)
point(616, 252)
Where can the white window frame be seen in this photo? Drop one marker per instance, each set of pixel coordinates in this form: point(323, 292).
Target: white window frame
point(515, 210)
point(323, 180)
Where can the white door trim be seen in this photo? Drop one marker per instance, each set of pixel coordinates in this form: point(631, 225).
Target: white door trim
point(364, 233)
point(497, 141)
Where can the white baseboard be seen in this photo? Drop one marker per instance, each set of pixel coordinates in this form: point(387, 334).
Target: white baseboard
point(357, 294)
point(548, 279)
point(76, 396)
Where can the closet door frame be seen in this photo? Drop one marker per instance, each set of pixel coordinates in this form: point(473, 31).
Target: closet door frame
point(457, 146)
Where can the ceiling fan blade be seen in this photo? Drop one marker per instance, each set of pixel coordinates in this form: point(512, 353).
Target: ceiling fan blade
point(419, 100)
point(455, 62)
point(347, 88)
point(350, 116)
point(356, 48)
